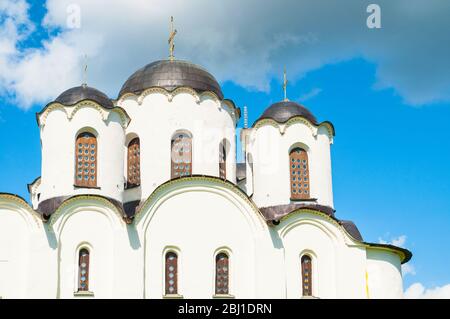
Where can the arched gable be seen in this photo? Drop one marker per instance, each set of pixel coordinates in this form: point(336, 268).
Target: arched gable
point(18, 205)
point(83, 203)
point(195, 184)
point(329, 226)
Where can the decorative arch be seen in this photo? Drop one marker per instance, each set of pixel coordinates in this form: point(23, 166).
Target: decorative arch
point(43, 115)
point(214, 185)
point(209, 95)
point(282, 127)
point(70, 111)
point(187, 90)
point(18, 205)
point(228, 105)
point(82, 203)
point(152, 90)
point(323, 223)
point(326, 224)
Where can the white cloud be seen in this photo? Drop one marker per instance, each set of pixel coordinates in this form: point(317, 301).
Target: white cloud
point(408, 269)
point(418, 291)
point(240, 41)
point(398, 241)
point(309, 95)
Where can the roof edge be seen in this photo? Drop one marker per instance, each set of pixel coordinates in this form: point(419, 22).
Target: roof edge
point(317, 125)
point(404, 253)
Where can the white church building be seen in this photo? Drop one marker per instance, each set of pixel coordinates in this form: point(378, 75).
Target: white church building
point(142, 197)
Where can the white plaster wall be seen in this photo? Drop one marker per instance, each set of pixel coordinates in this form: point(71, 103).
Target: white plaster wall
point(384, 274)
point(157, 119)
point(270, 152)
point(58, 153)
point(197, 222)
point(338, 266)
point(197, 218)
point(14, 254)
point(114, 251)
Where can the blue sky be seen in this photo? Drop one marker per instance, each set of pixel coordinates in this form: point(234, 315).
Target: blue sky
point(390, 157)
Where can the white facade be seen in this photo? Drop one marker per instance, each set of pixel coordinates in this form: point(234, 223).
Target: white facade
point(197, 217)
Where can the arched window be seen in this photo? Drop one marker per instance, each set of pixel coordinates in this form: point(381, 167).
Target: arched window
point(171, 273)
point(86, 160)
point(222, 274)
point(134, 163)
point(306, 275)
point(83, 270)
point(223, 159)
point(181, 155)
point(298, 161)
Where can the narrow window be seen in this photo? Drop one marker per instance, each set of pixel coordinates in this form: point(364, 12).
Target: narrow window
point(298, 161)
point(222, 274)
point(86, 160)
point(181, 155)
point(171, 273)
point(134, 163)
point(306, 276)
point(223, 160)
point(83, 270)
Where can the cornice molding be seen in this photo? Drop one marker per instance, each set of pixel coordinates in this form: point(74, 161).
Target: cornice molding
point(282, 127)
point(32, 187)
point(16, 200)
point(226, 104)
point(58, 212)
point(71, 111)
point(285, 228)
point(185, 180)
point(405, 255)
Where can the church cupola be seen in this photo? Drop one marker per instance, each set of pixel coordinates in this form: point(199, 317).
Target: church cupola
point(83, 92)
point(184, 124)
point(283, 111)
point(83, 136)
point(170, 75)
point(288, 156)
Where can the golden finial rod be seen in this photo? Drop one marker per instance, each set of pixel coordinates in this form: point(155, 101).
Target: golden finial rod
point(285, 82)
point(85, 68)
point(173, 32)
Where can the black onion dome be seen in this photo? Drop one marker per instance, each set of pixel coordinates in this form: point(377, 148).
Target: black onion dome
point(282, 111)
point(79, 93)
point(171, 75)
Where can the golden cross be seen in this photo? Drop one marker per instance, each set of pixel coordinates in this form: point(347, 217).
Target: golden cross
point(173, 32)
point(85, 71)
point(285, 82)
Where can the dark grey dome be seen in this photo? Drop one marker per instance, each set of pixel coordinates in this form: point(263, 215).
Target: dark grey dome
point(171, 75)
point(282, 111)
point(79, 93)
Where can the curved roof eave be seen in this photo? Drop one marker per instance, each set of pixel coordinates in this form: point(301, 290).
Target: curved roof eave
point(32, 183)
point(297, 116)
point(38, 114)
point(232, 185)
point(405, 254)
